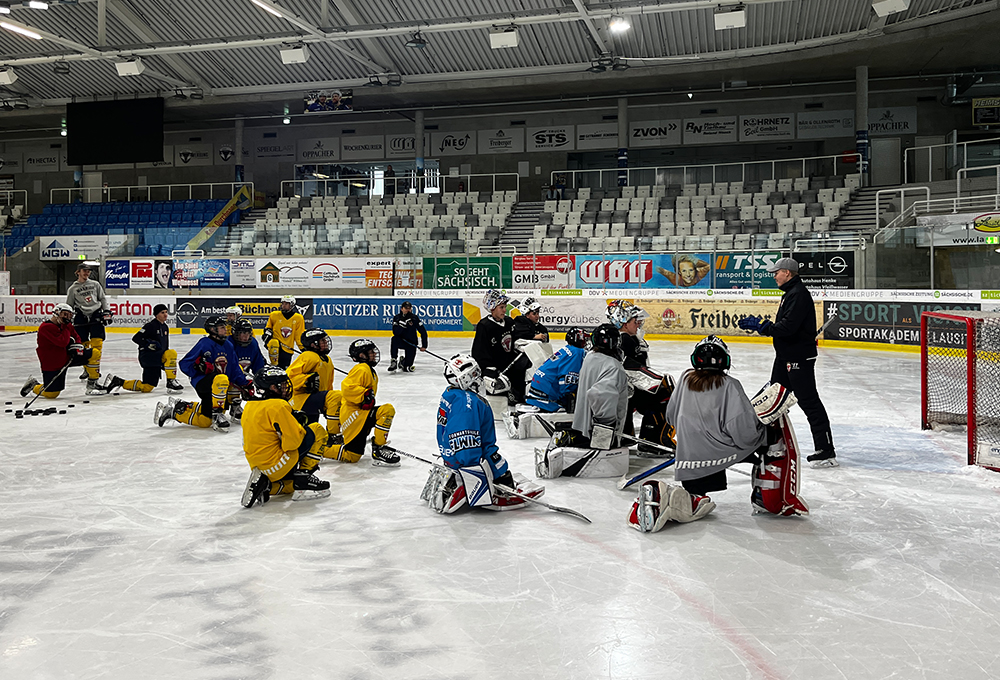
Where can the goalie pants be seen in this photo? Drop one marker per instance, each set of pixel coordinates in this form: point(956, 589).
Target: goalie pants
point(654, 425)
point(713, 482)
point(515, 373)
point(800, 378)
point(409, 351)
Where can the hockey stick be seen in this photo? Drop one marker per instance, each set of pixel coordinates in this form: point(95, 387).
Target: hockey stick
point(14, 335)
point(56, 377)
point(819, 333)
point(436, 356)
point(627, 481)
point(505, 489)
point(637, 440)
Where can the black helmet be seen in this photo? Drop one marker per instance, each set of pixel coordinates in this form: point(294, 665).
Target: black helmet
point(711, 354)
point(607, 339)
point(366, 347)
point(239, 327)
point(317, 340)
point(577, 337)
point(212, 325)
point(273, 383)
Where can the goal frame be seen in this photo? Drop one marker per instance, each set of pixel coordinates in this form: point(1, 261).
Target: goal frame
point(971, 322)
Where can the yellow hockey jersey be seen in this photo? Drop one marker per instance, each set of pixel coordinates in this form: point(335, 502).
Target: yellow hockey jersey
point(271, 435)
point(287, 331)
point(305, 364)
point(353, 387)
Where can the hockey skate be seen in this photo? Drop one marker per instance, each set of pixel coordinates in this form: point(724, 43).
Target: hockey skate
point(392, 366)
point(257, 491)
point(84, 376)
point(823, 459)
point(384, 456)
point(308, 486)
point(173, 385)
point(112, 383)
point(522, 485)
point(93, 388)
point(408, 369)
point(164, 412)
point(219, 422)
point(28, 386)
point(236, 411)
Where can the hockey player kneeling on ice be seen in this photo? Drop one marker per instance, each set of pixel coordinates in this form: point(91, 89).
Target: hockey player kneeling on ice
point(649, 391)
point(282, 449)
point(212, 366)
point(58, 348)
point(359, 414)
point(552, 392)
point(155, 356)
point(467, 440)
point(591, 447)
point(312, 382)
point(250, 359)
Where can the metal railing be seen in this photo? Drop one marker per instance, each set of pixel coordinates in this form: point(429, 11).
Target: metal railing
point(9, 197)
point(901, 191)
point(963, 172)
point(959, 152)
point(364, 185)
point(937, 206)
point(149, 192)
point(709, 172)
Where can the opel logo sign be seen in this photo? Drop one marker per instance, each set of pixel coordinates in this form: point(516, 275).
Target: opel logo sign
point(837, 265)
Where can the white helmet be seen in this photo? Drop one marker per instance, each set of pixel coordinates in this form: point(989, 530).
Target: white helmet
point(463, 372)
point(234, 310)
point(494, 298)
point(288, 298)
point(530, 304)
point(62, 307)
point(620, 312)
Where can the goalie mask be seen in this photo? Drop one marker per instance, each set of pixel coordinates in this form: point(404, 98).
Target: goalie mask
point(463, 372)
point(317, 340)
point(364, 351)
point(493, 299)
point(711, 354)
point(577, 337)
point(530, 305)
point(620, 312)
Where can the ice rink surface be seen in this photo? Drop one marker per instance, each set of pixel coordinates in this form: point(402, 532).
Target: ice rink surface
point(125, 553)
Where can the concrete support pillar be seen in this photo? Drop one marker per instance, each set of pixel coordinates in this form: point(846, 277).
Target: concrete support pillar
point(861, 141)
point(622, 141)
point(238, 129)
point(418, 149)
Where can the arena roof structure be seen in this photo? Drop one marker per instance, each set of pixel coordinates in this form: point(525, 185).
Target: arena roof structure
point(228, 53)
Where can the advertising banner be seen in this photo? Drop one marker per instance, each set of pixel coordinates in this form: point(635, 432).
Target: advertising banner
point(689, 270)
point(960, 229)
point(893, 322)
point(167, 162)
point(41, 160)
point(203, 273)
point(141, 274)
point(272, 148)
point(117, 274)
point(467, 272)
point(597, 136)
point(67, 247)
point(193, 311)
point(351, 272)
point(453, 143)
point(501, 140)
point(551, 138)
point(544, 271)
point(404, 146)
point(242, 273)
point(362, 314)
point(824, 124)
point(31, 311)
point(362, 147)
point(745, 270)
point(241, 200)
point(192, 154)
point(283, 273)
point(827, 270)
point(767, 127)
point(11, 162)
point(225, 153)
point(318, 150)
point(719, 130)
point(655, 133)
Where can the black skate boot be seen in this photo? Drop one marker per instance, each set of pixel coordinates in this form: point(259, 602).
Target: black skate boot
point(173, 385)
point(384, 456)
point(28, 386)
point(258, 489)
point(308, 486)
point(392, 366)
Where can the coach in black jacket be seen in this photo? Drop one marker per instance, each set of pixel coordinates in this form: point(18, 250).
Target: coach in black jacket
point(405, 327)
point(794, 337)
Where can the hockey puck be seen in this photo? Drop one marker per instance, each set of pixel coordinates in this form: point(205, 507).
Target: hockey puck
point(62, 412)
point(86, 401)
point(10, 410)
point(71, 405)
point(18, 415)
point(8, 403)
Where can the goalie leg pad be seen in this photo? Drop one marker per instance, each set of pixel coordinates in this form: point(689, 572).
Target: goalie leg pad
point(659, 503)
point(601, 436)
point(444, 491)
point(776, 478)
point(570, 461)
point(478, 481)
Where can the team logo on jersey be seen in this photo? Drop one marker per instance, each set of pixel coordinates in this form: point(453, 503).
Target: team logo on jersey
point(286, 332)
point(442, 416)
point(506, 342)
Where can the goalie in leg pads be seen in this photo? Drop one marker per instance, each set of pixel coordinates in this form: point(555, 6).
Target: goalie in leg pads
point(776, 477)
point(467, 440)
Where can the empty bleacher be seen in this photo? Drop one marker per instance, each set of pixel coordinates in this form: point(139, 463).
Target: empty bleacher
point(413, 224)
point(729, 215)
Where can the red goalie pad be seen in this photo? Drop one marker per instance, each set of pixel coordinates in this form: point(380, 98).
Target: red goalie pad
point(776, 479)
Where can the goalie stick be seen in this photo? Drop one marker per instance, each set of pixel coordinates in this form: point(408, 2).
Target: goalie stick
point(627, 481)
point(505, 489)
point(550, 429)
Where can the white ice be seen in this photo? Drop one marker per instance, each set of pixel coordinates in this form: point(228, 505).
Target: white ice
point(125, 553)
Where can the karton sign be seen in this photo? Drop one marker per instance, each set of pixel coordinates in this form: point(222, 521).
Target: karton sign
point(128, 311)
point(551, 137)
point(655, 133)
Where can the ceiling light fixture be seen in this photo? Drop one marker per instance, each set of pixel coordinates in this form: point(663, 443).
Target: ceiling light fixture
point(4, 7)
point(886, 7)
point(618, 24)
point(287, 120)
point(38, 4)
point(23, 31)
point(733, 16)
point(690, 95)
point(196, 94)
point(267, 8)
point(394, 80)
point(7, 76)
point(417, 41)
point(62, 133)
point(130, 67)
point(294, 54)
point(502, 37)
point(60, 68)
point(620, 65)
point(373, 81)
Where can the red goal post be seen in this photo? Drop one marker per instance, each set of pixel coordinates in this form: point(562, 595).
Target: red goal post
point(960, 378)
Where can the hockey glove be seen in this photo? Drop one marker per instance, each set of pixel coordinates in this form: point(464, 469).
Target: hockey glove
point(107, 319)
point(246, 391)
point(312, 383)
point(754, 323)
point(75, 351)
point(152, 346)
point(203, 366)
point(301, 417)
point(368, 403)
point(267, 335)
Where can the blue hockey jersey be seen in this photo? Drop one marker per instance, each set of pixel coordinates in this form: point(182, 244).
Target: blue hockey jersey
point(212, 350)
point(465, 431)
point(555, 381)
point(250, 358)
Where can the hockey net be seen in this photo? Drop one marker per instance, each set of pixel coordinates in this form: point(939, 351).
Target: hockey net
point(960, 378)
